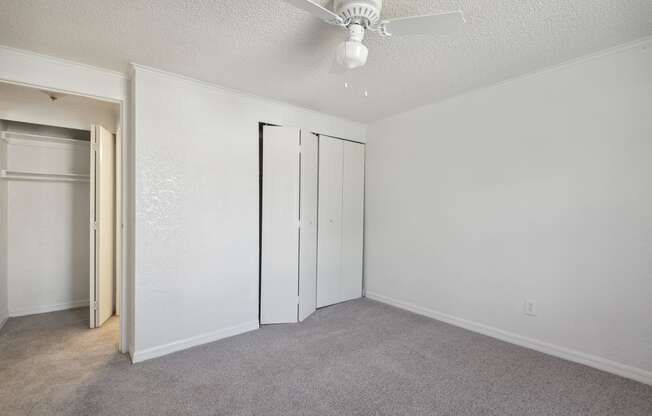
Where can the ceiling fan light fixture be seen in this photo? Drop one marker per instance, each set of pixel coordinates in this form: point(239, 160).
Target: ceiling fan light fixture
point(358, 16)
point(351, 54)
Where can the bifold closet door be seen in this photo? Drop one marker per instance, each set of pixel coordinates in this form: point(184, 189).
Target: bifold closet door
point(102, 229)
point(280, 226)
point(352, 220)
point(329, 256)
point(308, 229)
point(341, 219)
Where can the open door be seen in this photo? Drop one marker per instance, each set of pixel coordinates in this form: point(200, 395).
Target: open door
point(102, 229)
point(279, 273)
point(288, 260)
point(309, 162)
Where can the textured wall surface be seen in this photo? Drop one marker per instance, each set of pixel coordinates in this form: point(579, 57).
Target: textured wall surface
point(272, 49)
point(539, 189)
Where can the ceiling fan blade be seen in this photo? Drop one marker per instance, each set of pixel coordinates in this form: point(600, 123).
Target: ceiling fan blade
point(433, 24)
point(317, 11)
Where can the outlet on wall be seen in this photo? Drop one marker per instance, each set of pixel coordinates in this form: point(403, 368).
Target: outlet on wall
point(530, 307)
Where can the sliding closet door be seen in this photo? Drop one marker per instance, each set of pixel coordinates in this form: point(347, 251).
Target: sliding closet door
point(102, 282)
point(308, 230)
point(330, 221)
point(280, 226)
point(352, 220)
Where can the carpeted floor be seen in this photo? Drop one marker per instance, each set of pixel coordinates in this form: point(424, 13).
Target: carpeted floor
point(355, 358)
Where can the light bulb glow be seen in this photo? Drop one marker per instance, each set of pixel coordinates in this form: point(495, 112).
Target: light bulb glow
point(351, 54)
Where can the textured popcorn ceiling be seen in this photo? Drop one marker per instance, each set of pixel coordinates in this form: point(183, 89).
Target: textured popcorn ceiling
point(271, 49)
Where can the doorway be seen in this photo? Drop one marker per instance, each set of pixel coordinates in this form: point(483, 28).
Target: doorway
point(60, 160)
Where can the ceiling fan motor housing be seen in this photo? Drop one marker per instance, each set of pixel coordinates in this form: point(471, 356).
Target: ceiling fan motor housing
point(362, 12)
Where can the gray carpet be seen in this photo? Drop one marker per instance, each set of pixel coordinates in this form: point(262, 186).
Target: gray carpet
point(355, 358)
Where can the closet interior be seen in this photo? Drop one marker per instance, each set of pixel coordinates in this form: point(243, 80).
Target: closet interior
point(312, 216)
point(58, 182)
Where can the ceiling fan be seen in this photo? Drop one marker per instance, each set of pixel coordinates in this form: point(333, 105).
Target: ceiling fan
point(358, 16)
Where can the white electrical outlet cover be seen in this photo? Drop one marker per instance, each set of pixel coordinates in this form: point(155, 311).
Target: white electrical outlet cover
point(530, 308)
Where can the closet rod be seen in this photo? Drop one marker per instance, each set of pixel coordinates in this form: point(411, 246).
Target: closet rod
point(44, 177)
point(8, 136)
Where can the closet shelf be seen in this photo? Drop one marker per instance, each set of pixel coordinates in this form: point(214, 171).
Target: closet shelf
point(21, 138)
point(43, 177)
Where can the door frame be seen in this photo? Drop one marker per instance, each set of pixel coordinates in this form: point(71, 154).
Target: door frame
point(261, 128)
point(105, 82)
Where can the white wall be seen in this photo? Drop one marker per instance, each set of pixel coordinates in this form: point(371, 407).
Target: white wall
point(196, 272)
point(47, 250)
point(537, 188)
point(31, 105)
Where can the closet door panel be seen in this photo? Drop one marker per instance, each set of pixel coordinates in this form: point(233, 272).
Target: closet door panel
point(330, 221)
point(280, 227)
point(308, 232)
point(104, 216)
point(352, 220)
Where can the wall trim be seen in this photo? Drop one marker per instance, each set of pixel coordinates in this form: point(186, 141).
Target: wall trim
point(600, 363)
point(32, 310)
point(183, 344)
point(3, 320)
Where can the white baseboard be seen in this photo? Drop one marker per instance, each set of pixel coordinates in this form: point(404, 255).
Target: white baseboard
point(183, 344)
point(3, 319)
point(32, 310)
point(600, 363)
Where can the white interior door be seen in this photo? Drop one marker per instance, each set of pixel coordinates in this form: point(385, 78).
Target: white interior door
point(279, 291)
point(102, 230)
point(330, 221)
point(352, 220)
point(308, 230)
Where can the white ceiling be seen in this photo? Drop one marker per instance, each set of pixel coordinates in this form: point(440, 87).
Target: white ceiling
point(271, 49)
